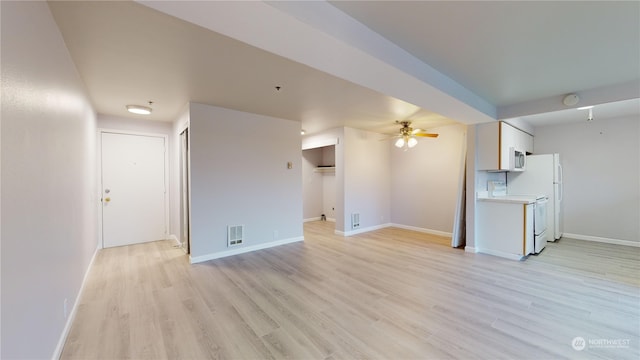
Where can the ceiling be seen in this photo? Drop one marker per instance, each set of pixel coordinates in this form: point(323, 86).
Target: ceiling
point(505, 52)
point(511, 51)
point(625, 108)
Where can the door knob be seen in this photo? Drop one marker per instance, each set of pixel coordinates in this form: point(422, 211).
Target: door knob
point(107, 199)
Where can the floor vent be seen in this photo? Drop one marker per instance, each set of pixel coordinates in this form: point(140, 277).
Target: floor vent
point(235, 235)
point(355, 220)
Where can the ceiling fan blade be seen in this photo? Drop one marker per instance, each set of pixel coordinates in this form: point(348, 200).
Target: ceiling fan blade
point(426, 135)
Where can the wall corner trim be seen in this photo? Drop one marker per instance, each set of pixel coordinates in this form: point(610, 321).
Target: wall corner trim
point(470, 249)
point(246, 249)
point(601, 239)
point(174, 238)
point(67, 327)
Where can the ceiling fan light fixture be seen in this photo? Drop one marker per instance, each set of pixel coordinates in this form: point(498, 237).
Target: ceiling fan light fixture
point(407, 138)
point(412, 142)
point(139, 109)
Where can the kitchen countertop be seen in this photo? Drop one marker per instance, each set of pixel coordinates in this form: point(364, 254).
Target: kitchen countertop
point(513, 199)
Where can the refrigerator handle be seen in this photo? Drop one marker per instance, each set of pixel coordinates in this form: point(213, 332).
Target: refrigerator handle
point(560, 182)
point(560, 191)
point(560, 174)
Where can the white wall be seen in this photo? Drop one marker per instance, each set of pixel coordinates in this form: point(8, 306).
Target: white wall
point(367, 180)
point(140, 125)
point(329, 184)
point(175, 191)
point(312, 183)
point(239, 176)
point(601, 175)
point(425, 181)
point(49, 201)
point(471, 189)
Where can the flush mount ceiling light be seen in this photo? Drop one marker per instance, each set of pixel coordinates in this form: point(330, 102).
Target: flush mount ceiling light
point(139, 109)
point(302, 132)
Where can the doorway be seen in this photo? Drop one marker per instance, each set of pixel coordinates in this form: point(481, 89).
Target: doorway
point(133, 186)
point(319, 183)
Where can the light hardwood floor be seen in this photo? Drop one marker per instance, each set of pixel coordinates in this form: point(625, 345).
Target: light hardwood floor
point(387, 294)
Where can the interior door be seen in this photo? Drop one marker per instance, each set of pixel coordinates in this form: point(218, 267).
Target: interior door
point(459, 236)
point(133, 189)
point(184, 190)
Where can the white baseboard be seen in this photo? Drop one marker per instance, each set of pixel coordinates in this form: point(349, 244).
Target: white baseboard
point(470, 249)
point(174, 238)
point(500, 254)
point(67, 327)
point(602, 239)
point(423, 230)
point(318, 219)
point(242, 250)
point(361, 230)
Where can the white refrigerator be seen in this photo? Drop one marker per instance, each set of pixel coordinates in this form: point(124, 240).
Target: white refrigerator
point(542, 175)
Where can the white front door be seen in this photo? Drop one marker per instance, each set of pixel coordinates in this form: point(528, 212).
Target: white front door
point(133, 189)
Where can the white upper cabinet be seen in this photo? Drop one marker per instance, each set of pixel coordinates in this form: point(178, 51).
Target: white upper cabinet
point(494, 141)
point(488, 146)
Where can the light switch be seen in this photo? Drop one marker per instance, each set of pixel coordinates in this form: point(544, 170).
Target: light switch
point(289, 165)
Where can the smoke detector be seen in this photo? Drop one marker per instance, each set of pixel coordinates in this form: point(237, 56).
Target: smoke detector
point(571, 99)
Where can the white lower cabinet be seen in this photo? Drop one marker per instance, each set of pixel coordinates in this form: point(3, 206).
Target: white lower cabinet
point(505, 229)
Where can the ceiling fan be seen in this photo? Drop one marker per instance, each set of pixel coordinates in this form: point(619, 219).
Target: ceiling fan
point(407, 136)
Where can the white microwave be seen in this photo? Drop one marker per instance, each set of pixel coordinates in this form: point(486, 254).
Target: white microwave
point(517, 159)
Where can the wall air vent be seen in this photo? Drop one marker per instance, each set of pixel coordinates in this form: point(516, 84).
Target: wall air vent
point(235, 235)
point(355, 220)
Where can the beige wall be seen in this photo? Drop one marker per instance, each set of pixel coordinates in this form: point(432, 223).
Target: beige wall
point(601, 163)
point(239, 176)
point(425, 180)
point(49, 188)
point(367, 181)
